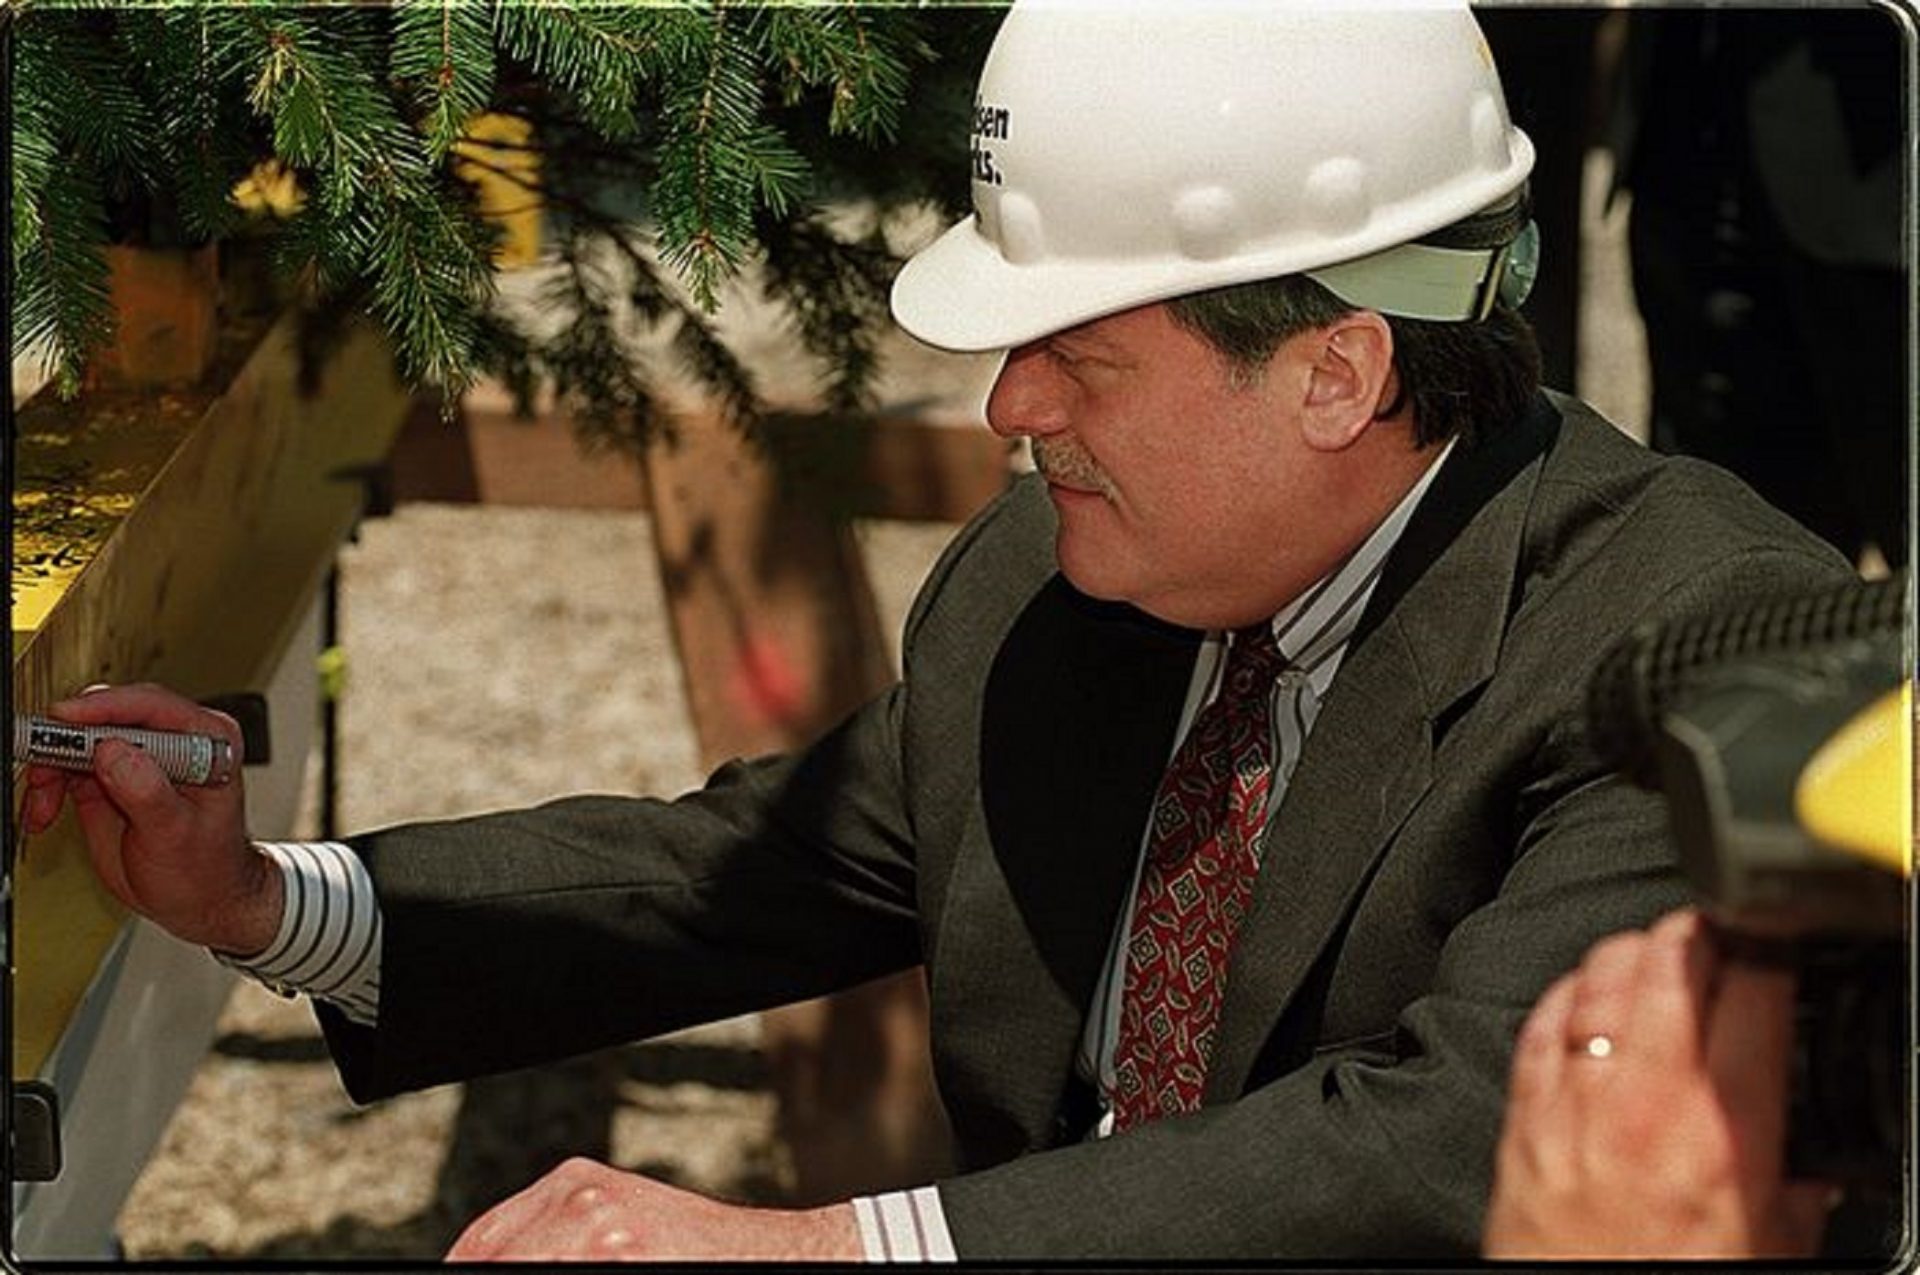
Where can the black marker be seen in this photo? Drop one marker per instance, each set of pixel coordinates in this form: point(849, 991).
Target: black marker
point(185, 758)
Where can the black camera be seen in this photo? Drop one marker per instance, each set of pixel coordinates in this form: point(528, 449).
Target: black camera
point(1781, 737)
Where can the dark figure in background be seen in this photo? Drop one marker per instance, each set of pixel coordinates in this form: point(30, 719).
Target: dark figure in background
point(1766, 238)
point(1547, 67)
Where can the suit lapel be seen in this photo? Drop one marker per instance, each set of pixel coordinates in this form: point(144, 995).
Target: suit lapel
point(1078, 720)
point(1431, 635)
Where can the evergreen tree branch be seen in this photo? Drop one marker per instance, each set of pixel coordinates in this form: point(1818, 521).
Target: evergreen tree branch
point(58, 221)
point(431, 278)
point(444, 48)
point(34, 148)
point(597, 54)
point(331, 250)
point(679, 143)
point(329, 114)
point(73, 58)
point(859, 53)
point(204, 139)
point(60, 279)
point(715, 164)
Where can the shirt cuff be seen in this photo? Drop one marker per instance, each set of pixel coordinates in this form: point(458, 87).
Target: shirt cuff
point(328, 943)
point(904, 1226)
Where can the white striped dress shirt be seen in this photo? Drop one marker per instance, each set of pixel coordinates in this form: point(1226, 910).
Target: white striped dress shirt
point(328, 944)
point(329, 940)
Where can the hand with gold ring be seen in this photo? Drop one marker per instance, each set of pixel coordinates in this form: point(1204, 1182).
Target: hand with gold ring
point(1646, 1114)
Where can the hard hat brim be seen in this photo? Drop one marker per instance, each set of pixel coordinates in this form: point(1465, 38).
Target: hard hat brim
point(958, 293)
point(961, 293)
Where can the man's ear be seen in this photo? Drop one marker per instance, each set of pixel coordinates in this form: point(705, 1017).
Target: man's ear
point(1351, 376)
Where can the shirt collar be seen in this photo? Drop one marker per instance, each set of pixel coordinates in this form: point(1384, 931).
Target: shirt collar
point(1313, 629)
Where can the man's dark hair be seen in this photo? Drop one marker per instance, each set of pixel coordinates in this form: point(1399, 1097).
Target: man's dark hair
point(1461, 378)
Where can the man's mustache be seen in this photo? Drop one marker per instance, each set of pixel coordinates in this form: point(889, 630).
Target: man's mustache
point(1065, 464)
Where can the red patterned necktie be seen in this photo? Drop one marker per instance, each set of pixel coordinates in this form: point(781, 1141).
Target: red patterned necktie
point(1203, 853)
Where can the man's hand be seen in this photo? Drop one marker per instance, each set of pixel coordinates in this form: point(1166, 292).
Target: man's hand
point(178, 856)
point(586, 1211)
point(1646, 1117)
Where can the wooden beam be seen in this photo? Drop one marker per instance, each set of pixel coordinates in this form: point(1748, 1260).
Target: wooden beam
point(177, 537)
point(771, 611)
point(894, 466)
point(779, 640)
point(489, 455)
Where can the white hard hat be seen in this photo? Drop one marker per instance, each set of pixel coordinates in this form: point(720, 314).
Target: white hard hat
point(1128, 152)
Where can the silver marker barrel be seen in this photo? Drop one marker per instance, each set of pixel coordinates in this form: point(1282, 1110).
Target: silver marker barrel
point(183, 757)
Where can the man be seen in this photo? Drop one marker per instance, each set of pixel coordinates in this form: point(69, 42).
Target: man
point(1235, 799)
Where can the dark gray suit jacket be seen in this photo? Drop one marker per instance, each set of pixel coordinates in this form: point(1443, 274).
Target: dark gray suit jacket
point(1448, 845)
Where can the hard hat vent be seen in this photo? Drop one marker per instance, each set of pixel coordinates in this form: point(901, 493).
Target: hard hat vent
point(1206, 223)
point(1023, 238)
point(1488, 127)
point(1337, 200)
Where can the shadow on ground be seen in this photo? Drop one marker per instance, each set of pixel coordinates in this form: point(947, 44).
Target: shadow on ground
point(513, 1128)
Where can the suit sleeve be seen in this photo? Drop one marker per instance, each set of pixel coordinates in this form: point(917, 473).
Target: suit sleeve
point(1381, 1147)
point(528, 936)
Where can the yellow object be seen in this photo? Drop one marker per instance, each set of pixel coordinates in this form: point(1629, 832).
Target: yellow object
point(270, 188)
point(332, 668)
point(496, 155)
point(1856, 793)
point(56, 533)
